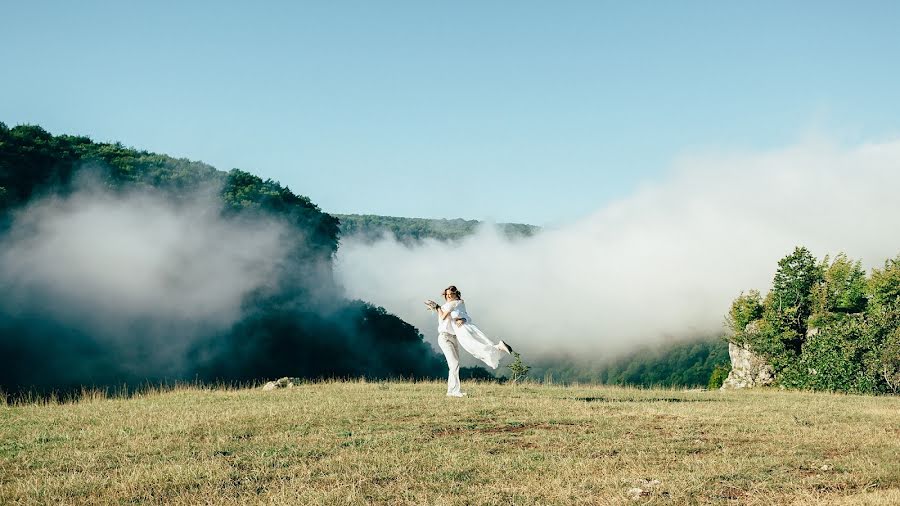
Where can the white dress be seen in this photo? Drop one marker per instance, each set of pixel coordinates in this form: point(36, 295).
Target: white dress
point(473, 340)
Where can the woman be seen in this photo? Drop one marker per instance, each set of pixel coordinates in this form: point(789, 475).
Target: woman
point(456, 327)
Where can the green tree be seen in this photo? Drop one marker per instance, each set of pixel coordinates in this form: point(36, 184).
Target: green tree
point(790, 303)
point(842, 290)
point(792, 287)
point(884, 285)
point(745, 309)
point(518, 369)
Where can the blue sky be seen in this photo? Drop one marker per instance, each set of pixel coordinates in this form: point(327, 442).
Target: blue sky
point(536, 112)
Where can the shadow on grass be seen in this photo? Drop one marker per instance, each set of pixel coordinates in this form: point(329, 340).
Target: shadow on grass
point(648, 399)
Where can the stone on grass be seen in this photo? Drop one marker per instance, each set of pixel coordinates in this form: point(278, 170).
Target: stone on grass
point(285, 382)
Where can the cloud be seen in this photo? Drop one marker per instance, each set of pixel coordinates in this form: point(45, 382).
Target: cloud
point(664, 262)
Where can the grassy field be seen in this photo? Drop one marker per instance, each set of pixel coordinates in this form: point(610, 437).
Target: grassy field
point(405, 443)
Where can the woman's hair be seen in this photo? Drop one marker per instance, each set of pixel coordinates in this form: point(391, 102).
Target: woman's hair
point(452, 289)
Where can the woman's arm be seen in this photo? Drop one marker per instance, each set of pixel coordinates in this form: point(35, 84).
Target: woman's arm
point(443, 315)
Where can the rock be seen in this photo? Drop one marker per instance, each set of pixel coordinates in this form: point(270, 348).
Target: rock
point(646, 488)
point(636, 493)
point(748, 370)
point(280, 383)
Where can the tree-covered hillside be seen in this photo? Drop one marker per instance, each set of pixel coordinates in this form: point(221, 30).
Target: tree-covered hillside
point(410, 231)
point(676, 364)
point(292, 325)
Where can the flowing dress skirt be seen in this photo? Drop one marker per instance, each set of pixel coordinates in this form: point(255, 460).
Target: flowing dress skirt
point(473, 340)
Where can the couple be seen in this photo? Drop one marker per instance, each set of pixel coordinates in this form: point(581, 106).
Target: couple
point(455, 327)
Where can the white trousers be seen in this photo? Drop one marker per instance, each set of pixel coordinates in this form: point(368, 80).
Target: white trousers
point(449, 346)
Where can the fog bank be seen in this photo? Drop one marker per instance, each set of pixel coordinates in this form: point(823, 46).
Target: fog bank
point(142, 275)
point(664, 262)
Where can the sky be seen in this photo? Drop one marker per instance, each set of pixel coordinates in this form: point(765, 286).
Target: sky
point(530, 112)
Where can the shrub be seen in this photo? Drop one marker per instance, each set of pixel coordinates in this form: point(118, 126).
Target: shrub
point(718, 376)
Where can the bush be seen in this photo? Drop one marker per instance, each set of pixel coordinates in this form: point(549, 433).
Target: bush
point(890, 362)
point(744, 309)
point(518, 368)
point(718, 376)
point(840, 358)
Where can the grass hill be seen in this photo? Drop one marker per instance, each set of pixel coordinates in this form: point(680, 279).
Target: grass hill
point(406, 443)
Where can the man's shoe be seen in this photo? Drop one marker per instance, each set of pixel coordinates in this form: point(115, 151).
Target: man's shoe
point(505, 347)
point(460, 394)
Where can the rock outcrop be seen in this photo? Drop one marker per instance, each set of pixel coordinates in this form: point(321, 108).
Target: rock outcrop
point(748, 369)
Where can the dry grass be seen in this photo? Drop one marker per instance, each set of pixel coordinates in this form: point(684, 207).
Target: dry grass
point(405, 443)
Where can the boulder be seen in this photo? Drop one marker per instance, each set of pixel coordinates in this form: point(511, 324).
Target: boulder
point(748, 370)
point(280, 383)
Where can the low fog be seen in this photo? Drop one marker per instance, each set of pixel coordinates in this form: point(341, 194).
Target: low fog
point(145, 276)
point(663, 263)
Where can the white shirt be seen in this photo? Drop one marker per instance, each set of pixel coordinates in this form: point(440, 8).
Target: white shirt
point(460, 312)
point(457, 309)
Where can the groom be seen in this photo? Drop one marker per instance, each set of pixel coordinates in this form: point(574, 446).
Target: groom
point(447, 341)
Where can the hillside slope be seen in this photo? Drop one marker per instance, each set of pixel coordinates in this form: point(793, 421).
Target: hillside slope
point(410, 231)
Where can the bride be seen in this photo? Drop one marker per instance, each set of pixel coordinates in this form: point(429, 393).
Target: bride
point(470, 337)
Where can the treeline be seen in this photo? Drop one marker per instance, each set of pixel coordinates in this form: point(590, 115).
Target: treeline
point(825, 325)
point(410, 231)
point(300, 327)
point(676, 364)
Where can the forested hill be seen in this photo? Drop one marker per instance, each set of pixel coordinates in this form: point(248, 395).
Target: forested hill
point(72, 315)
point(33, 161)
point(689, 363)
point(370, 228)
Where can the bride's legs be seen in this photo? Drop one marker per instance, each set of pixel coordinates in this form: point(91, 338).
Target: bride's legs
point(447, 343)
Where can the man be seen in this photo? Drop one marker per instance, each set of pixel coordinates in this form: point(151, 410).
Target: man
point(447, 337)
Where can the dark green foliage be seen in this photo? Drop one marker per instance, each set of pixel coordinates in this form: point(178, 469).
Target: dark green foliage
point(677, 364)
point(890, 361)
point(244, 191)
point(476, 373)
point(825, 326)
point(32, 161)
point(840, 357)
point(718, 376)
point(410, 231)
point(791, 299)
point(355, 339)
point(842, 289)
